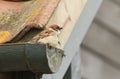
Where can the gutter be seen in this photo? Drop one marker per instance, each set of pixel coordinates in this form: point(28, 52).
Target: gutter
point(35, 57)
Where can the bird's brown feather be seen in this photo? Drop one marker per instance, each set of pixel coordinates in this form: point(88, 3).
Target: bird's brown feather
point(43, 35)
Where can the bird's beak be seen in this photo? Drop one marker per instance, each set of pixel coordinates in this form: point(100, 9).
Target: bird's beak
point(60, 28)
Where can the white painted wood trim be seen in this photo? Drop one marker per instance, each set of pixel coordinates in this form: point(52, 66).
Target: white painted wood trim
point(75, 66)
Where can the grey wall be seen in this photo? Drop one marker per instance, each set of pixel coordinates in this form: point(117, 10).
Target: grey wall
point(100, 50)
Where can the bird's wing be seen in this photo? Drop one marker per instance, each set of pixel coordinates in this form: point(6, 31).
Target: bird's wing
point(43, 34)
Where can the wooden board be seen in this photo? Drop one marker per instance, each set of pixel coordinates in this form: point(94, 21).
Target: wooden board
point(67, 19)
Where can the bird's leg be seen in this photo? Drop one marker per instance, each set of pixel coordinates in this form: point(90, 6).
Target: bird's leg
point(49, 46)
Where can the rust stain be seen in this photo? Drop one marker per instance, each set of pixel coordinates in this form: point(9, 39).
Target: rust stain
point(47, 11)
point(35, 12)
point(32, 15)
point(4, 36)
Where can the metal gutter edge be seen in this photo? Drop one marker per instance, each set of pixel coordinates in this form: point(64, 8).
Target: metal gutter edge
point(35, 57)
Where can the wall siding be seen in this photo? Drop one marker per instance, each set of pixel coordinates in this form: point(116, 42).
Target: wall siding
point(100, 49)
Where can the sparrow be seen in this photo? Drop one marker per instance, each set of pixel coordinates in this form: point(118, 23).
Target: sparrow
point(50, 36)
